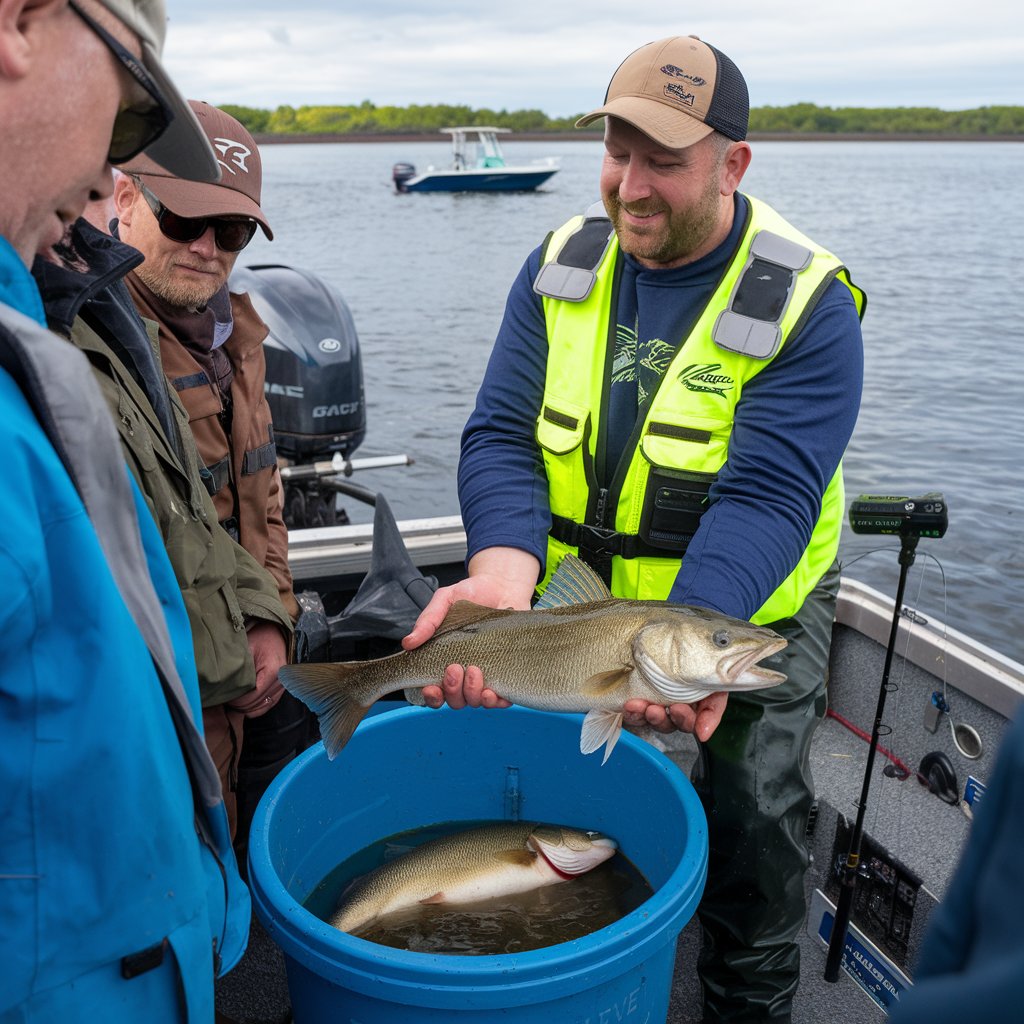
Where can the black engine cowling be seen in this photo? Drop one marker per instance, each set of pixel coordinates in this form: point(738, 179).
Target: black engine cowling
point(401, 173)
point(314, 381)
point(314, 378)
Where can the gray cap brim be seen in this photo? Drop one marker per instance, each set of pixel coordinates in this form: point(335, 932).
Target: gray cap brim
point(183, 149)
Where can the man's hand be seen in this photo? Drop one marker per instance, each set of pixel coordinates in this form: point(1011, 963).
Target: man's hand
point(701, 719)
point(269, 653)
point(498, 578)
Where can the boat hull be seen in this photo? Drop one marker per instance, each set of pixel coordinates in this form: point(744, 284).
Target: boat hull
point(487, 180)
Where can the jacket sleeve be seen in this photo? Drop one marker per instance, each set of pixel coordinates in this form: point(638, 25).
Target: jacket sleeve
point(503, 488)
point(258, 592)
point(277, 547)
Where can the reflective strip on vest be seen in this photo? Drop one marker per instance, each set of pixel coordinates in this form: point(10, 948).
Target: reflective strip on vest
point(688, 422)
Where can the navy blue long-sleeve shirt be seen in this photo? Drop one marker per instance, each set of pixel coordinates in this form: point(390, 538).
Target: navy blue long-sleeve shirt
point(792, 425)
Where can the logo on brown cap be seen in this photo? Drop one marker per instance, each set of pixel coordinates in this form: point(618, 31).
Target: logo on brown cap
point(235, 152)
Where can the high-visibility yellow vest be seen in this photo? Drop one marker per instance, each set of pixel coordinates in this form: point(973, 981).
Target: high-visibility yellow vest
point(684, 438)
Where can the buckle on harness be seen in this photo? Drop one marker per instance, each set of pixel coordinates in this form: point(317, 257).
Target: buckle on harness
point(599, 539)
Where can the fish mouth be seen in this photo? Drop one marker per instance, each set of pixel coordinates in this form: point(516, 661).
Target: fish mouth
point(742, 671)
point(570, 863)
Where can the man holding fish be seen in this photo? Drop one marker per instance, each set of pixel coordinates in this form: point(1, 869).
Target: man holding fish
point(671, 392)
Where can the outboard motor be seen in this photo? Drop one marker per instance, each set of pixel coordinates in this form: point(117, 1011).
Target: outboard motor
point(401, 173)
point(314, 381)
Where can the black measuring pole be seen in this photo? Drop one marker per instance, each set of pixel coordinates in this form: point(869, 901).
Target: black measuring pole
point(848, 882)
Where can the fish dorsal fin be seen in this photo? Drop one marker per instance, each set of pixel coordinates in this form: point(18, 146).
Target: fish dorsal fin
point(573, 582)
point(465, 614)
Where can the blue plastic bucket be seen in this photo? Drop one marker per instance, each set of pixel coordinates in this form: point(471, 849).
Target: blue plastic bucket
point(416, 767)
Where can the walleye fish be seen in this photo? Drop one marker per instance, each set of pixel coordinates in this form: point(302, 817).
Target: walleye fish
point(578, 649)
point(479, 863)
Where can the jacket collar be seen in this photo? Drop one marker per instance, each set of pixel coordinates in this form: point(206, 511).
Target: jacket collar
point(85, 264)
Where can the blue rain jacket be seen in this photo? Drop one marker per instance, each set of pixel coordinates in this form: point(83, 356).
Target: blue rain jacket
point(102, 870)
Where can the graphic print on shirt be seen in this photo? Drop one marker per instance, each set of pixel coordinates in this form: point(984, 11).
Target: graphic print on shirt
point(655, 356)
point(642, 362)
point(624, 363)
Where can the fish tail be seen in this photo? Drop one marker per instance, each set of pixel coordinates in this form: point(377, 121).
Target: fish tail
point(327, 690)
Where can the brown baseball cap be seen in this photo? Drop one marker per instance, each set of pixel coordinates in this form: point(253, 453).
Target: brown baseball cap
point(677, 91)
point(241, 179)
point(182, 147)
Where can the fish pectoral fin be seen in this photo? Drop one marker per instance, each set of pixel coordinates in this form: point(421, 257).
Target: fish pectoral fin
point(601, 728)
point(523, 858)
point(438, 897)
point(601, 683)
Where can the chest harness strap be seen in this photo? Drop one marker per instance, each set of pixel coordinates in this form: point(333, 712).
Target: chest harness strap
point(571, 275)
point(750, 323)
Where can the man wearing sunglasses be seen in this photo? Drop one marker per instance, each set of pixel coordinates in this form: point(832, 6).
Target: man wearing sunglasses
point(119, 896)
point(211, 345)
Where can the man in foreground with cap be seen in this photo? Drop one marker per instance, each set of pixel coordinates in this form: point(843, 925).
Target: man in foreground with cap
point(119, 895)
point(211, 345)
point(670, 394)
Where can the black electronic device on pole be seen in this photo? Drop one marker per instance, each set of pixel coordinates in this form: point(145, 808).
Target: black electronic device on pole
point(909, 519)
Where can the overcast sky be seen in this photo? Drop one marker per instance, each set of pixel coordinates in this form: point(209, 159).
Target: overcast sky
point(558, 56)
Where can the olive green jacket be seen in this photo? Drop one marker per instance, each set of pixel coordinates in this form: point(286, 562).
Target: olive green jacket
point(223, 586)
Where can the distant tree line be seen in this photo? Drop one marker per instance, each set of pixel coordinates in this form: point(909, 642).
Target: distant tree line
point(369, 118)
point(798, 118)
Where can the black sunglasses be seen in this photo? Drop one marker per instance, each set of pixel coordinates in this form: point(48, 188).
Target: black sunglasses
point(134, 129)
point(230, 235)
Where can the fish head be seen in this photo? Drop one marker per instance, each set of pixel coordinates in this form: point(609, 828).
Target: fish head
point(571, 851)
point(689, 650)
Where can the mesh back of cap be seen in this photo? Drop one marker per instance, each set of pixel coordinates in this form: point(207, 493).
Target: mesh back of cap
point(729, 112)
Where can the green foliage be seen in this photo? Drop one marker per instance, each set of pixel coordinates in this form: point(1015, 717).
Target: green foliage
point(800, 118)
point(253, 118)
point(796, 119)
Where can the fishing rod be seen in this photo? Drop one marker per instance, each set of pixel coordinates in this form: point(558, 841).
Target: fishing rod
point(910, 519)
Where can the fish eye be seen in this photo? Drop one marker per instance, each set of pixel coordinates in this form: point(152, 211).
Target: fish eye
point(721, 638)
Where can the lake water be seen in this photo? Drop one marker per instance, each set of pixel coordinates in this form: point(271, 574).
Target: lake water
point(932, 232)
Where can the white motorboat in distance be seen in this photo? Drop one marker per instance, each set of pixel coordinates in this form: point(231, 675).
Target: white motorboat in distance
point(478, 165)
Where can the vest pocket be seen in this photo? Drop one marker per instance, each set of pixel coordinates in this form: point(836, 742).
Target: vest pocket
point(674, 501)
point(563, 430)
point(699, 442)
point(560, 428)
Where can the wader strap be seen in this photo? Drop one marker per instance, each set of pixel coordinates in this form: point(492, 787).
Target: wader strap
point(570, 276)
point(193, 380)
point(260, 458)
point(750, 323)
point(216, 476)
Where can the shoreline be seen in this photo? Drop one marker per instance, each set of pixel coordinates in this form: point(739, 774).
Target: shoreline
point(264, 139)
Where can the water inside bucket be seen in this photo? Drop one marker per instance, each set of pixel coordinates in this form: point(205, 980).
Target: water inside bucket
point(510, 924)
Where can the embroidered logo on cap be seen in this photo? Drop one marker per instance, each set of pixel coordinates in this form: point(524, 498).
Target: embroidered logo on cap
point(233, 151)
point(674, 72)
point(677, 92)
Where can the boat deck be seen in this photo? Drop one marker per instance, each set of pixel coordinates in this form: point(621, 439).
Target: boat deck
point(915, 827)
